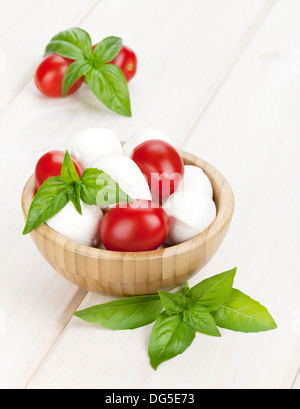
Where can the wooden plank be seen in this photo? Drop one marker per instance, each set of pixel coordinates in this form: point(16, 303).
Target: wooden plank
point(25, 29)
point(13, 13)
point(87, 356)
point(255, 142)
point(296, 384)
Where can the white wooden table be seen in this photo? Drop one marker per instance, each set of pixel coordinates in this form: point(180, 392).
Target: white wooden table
point(222, 78)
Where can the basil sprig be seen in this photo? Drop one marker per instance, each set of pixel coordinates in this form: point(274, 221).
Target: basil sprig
point(202, 309)
point(93, 188)
point(106, 80)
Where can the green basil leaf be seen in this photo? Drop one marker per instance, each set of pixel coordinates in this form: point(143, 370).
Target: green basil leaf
point(243, 314)
point(64, 49)
point(68, 170)
point(107, 49)
point(213, 292)
point(98, 188)
point(74, 195)
point(185, 289)
point(202, 322)
point(74, 43)
point(50, 199)
point(75, 71)
point(124, 314)
point(173, 303)
point(170, 337)
point(110, 87)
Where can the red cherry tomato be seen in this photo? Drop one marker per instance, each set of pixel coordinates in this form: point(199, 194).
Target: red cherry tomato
point(49, 76)
point(162, 166)
point(50, 165)
point(138, 226)
point(127, 61)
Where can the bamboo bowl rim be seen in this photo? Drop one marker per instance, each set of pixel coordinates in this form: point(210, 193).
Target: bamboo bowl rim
point(223, 197)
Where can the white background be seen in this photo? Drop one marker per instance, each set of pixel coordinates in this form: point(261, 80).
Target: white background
point(222, 79)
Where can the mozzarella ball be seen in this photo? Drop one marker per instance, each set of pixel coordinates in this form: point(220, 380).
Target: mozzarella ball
point(142, 136)
point(83, 229)
point(190, 212)
point(90, 143)
point(126, 173)
point(195, 179)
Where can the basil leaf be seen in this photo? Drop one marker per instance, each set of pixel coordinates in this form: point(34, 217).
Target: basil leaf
point(107, 49)
point(243, 314)
point(184, 290)
point(173, 303)
point(74, 195)
point(50, 199)
point(202, 322)
point(213, 292)
point(98, 188)
point(74, 43)
point(170, 337)
point(110, 87)
point(75, 71)
point(68, 170)
point(124, 314)
point(64, 49)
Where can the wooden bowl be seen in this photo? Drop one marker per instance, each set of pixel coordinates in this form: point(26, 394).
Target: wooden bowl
point(128, 274)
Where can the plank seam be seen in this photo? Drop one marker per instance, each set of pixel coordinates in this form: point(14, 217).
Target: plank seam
point(229, 67)
point(72, 306)
point(295, 380)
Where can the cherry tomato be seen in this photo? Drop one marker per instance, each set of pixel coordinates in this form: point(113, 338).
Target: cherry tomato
point(127, 61)
point(49, 76)
point(138, 226)
point(162, 166)
point(50, 165)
